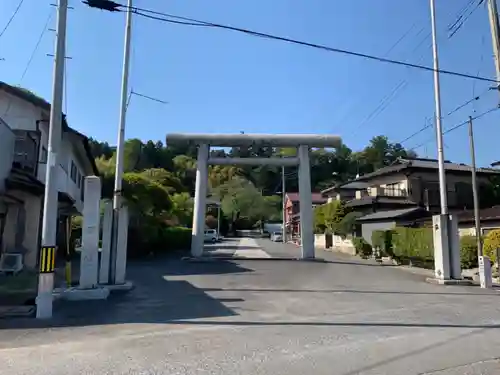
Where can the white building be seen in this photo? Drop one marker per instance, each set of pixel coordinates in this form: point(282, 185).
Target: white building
point(24, 128)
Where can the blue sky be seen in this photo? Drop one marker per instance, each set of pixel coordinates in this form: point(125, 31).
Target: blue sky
point(220, 81)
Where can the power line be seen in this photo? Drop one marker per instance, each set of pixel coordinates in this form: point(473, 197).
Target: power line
point(12, 17)
point(426, 126)
point(450, 113)
point(166, 17)
point(403, 84)
point(455, 127)
point(35, 49)
point(461, 20)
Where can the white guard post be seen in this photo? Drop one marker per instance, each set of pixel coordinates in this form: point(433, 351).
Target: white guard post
point(90, 233)
point(107, 222)
point(485, 272)
point(302, 141)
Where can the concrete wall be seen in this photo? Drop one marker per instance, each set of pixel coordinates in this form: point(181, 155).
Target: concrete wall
point(368, 228)
point(343, 245)
point(6, 152)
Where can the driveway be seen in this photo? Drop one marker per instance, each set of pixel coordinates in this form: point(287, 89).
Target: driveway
point(341, 317)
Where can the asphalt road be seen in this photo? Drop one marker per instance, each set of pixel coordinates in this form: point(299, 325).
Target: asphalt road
point(341, 317)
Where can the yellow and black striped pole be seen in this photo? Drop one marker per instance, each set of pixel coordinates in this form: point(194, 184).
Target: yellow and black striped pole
point(47, 259)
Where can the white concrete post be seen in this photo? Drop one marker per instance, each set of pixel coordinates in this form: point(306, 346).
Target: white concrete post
point(107, 222)
point(454, 248)
point(442, 269)
point(306, 211)
point(121, 246)
point(90, 233)
point(200, 201)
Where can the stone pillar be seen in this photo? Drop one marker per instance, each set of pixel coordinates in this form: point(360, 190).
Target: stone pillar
point(306, 211)
point(121, 245)
point(200, 201)
point(107, 222)
point(454, 246)
point(90, 233)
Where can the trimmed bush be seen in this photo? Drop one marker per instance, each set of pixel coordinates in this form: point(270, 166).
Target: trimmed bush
point(153, 238)
point(491, 244)
point(468, 252)
point(413, 244)
point(363, 248)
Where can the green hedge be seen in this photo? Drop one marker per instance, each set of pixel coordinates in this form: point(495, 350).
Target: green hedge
point(468, 252)
point(148, 239)
point(417, 245)
point(363, 248)
point(413, 244)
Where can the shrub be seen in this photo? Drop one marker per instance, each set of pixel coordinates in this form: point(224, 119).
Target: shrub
point(413, 244)
point(363, 248)
point(491, 244)
point(468, 252)
point(347, 225)
point(151, 237)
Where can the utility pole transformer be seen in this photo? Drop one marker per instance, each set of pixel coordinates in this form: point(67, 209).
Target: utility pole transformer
point(495, 36)
point(51, 202)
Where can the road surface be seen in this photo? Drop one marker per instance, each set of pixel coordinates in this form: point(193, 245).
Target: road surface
point(272, 317)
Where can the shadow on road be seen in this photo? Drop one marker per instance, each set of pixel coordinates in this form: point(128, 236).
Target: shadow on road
point(155, 299)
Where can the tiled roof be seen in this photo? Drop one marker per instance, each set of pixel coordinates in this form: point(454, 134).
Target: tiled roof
point(351, 185)
point(485, 214)
point(316, 197)
point(369, 200)
point(418, 163)
point(392, 214)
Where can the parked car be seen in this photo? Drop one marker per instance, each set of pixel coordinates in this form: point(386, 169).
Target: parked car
point(211, 236)
point(276, 236)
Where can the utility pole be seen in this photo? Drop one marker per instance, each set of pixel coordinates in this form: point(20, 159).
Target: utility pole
point(117, 195)
point(437, 98)
point(475, 192)
point(283, 194)
point(495, 36)
point(50, 206)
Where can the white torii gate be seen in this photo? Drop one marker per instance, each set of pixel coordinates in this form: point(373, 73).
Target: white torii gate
point(302, 141)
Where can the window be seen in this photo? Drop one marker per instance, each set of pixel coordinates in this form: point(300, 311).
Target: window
point(78, 179)
point(73, 171)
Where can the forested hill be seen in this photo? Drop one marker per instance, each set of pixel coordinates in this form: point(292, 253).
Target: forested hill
point(327, 166)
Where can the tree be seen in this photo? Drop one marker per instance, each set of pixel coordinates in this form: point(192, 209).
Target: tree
point(333, 213)
point(182, 208)
point(165, 178)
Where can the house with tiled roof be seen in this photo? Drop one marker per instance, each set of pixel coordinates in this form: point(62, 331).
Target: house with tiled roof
point(292, 211)
point(407, 193)
point(24, 132)
point(411, 182)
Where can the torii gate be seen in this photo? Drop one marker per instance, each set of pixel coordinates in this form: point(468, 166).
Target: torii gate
point(302, 141)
